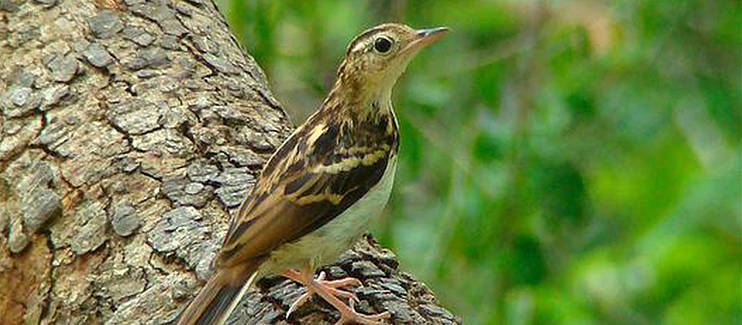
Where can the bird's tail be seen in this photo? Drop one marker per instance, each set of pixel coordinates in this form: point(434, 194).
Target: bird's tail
point(219, 297)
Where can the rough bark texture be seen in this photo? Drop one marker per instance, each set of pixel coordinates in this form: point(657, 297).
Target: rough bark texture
point(130, 130)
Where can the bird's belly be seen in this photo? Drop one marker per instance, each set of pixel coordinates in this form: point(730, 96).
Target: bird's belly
point(325, 244)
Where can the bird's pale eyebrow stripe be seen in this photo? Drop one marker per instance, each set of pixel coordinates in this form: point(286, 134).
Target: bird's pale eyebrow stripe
point(358, 46)
point(358, 40)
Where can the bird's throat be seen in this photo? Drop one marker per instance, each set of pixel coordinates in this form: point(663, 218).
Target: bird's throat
point(360, 101)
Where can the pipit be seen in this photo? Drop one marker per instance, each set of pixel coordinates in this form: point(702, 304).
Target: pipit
point(316, 194)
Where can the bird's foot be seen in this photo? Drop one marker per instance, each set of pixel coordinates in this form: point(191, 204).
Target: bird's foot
point(327, 285)
point(349, 315)
point(329, 291)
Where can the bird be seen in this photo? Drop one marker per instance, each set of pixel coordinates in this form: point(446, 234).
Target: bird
point(316, 194)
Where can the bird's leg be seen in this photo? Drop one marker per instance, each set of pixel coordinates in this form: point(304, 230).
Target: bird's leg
point(329, 292)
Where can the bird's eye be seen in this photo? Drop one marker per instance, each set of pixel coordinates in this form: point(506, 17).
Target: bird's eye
point(382, 44)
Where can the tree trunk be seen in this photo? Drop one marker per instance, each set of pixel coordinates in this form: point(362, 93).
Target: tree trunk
point(130, 130)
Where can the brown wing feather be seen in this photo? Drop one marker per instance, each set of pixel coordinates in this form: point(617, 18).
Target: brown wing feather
point(288, 203)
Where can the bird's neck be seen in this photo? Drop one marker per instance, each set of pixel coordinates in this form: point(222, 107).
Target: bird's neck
point(364, 116)
point(360, 101)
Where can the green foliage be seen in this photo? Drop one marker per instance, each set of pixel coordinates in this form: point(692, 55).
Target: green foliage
point(561, 162)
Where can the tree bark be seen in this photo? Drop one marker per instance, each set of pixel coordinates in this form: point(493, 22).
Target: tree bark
point(130, 130)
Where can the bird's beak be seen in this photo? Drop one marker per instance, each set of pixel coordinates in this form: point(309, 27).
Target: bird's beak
point(425, 37)
point(435, 33)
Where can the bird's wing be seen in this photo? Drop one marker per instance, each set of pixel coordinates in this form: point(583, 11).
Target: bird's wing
point(309, 181)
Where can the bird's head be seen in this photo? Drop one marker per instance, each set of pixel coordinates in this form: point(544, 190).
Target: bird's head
point(378, 56)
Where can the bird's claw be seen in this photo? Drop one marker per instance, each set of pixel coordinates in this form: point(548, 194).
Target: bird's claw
point(330, 286)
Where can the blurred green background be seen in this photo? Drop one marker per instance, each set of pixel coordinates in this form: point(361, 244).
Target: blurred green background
point(562, 162)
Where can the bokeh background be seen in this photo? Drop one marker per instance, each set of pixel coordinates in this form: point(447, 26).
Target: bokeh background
point(562, 162)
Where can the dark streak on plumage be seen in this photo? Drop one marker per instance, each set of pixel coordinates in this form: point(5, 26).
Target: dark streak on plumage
point(302, 145)
point(295, 167)
point(240, 229)
point(282, 152)
point(296, 184)
point(326, 142)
